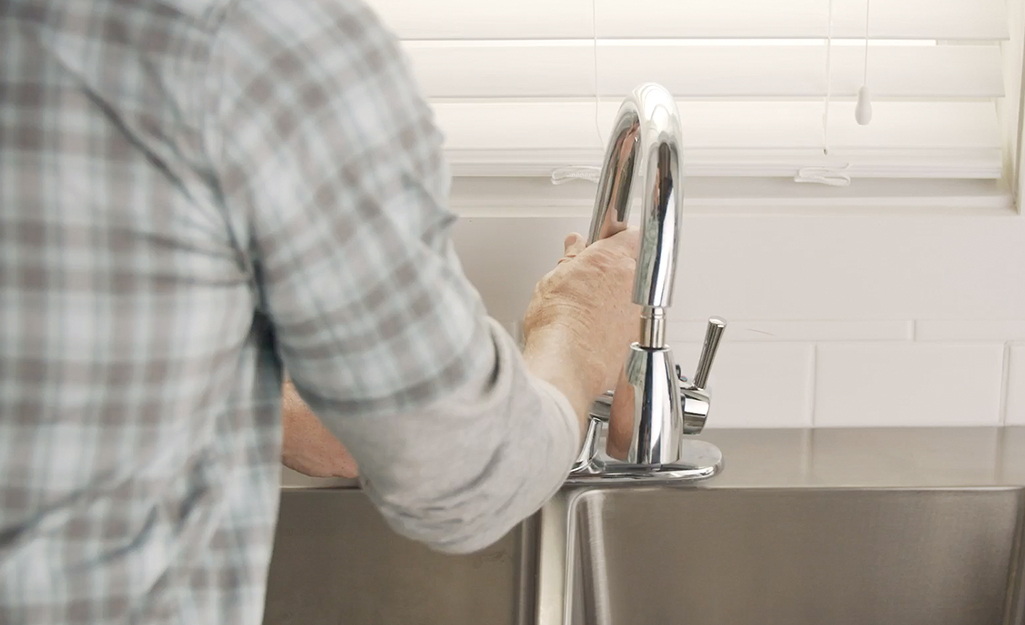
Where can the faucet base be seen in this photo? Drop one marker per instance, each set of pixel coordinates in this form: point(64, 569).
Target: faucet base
point(700, 460)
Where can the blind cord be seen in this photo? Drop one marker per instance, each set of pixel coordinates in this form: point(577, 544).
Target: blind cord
point(562, 175)
point(833, 176)
point(829, 81)
point(863, 111)
point(597, 92)
point(868, 13)
point(828, 175)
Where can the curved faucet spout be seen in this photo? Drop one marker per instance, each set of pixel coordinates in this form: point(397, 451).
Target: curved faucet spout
point(644, 153)
point(646, 141)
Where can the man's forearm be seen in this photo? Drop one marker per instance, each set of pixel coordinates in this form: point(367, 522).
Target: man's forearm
point(308, 447)
point(548, 356)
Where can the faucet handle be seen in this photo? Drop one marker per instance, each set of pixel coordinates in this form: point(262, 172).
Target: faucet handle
point(695, 402)
point(601, 407)
point(713, 334)
point(599, 416)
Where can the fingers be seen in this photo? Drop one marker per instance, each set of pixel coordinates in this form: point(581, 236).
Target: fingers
point(573, 245)
point(626, 242)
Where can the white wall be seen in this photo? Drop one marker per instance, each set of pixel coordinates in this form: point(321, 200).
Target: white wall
point(836, 320)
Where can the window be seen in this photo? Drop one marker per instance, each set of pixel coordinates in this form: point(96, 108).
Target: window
point(523, 88)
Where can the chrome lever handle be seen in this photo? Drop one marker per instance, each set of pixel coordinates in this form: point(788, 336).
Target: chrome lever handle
point(601, 407)
point(694, 399)
point(597, 417)
point(713, 334)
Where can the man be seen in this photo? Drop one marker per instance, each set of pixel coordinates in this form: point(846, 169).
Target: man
point(194, 196)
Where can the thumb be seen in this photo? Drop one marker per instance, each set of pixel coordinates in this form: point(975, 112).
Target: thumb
point(574, 244)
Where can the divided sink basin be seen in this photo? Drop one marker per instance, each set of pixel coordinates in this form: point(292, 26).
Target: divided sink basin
point(336, 562)
point(797, 557)
point(873, 527)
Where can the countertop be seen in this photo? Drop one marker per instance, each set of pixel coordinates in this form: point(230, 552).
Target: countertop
point(847, 457)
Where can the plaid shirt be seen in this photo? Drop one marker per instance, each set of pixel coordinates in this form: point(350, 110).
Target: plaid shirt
point(195, 194)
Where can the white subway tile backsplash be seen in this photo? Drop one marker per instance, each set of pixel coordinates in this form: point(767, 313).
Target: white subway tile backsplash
point(504, 258)
point(1015, 405)
point(807, 331)
point(756, 385)
point(784, 267)
point(845, 287)
point(970, 330)
point(908, 384)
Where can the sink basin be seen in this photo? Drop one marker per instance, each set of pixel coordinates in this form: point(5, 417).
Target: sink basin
point(796, 556)
point(336, 561)
point(824, 527)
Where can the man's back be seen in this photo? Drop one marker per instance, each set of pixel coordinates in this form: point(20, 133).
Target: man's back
point(195, 195)
point(128, 342)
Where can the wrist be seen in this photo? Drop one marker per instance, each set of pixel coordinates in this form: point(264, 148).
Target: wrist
point(558, 356)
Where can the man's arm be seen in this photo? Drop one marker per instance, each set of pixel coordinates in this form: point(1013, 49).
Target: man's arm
point(564, 305)
point(308, 447)
point(334, 163)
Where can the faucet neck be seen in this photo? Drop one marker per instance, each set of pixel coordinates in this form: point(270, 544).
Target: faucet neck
point(653, 328)
point(643, 160)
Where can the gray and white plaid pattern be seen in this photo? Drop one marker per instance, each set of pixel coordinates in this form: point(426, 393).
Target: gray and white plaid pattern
point(193, 194)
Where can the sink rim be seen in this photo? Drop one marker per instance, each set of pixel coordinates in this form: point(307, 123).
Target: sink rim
point(837, 457)
point(573, 500)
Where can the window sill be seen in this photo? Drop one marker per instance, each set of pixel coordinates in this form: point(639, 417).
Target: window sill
point(522, 196)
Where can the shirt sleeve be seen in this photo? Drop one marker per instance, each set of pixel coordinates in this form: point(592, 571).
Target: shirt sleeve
point(332, 171)
point(462, 472)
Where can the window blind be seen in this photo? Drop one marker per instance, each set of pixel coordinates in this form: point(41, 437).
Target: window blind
point(521, 87)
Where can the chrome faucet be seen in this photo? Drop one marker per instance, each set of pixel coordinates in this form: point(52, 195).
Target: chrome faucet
point(646, 143)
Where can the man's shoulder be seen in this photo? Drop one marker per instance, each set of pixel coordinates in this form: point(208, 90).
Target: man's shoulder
point(310, 53)
point(348, 20)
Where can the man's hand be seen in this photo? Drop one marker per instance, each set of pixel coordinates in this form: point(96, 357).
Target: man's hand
point(581, 319)
point(309, 447)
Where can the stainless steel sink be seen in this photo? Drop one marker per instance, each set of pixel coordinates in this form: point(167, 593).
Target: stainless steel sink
point(823, 527)
point(797, 556)
point(336, 562)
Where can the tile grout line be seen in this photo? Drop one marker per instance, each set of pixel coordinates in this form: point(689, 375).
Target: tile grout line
point(813, 393)
point(1005, 383)
point(808, 440)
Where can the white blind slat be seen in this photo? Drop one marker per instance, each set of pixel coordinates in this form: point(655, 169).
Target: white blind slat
point(542, 19)
point(799, 71)
point(486, 19)
point(513, 81)
point(726, 125)
point(891, 19)
point(982, 164)
point(514, 70)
